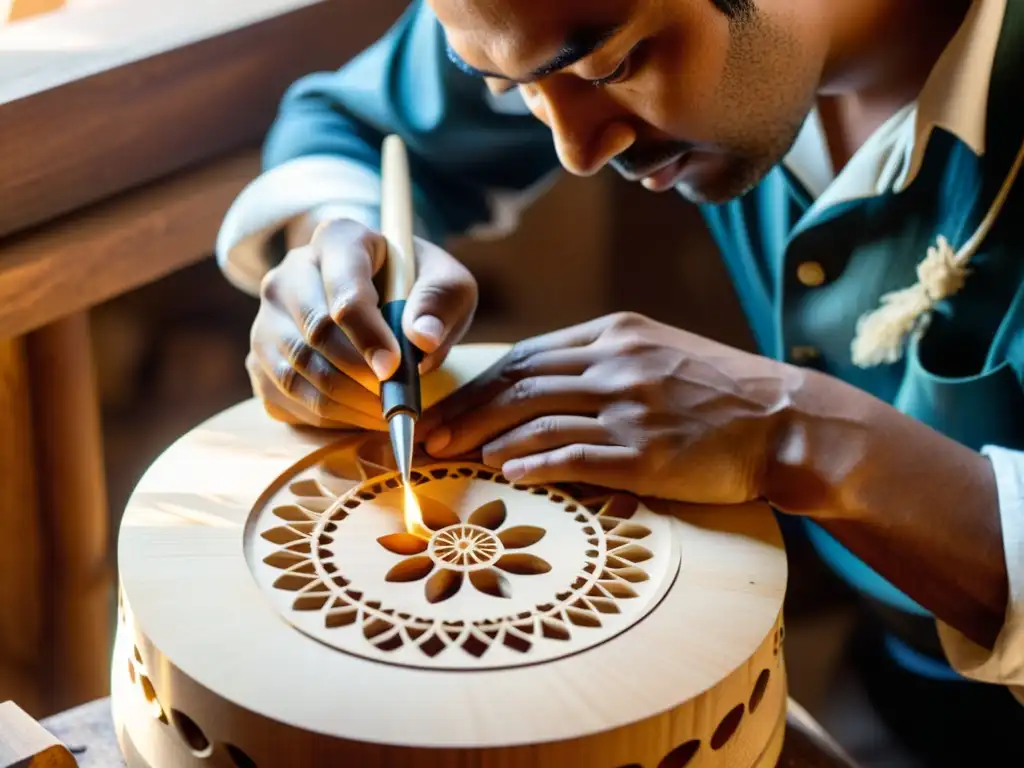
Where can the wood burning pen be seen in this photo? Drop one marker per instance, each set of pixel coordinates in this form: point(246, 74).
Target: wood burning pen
point(400, 395)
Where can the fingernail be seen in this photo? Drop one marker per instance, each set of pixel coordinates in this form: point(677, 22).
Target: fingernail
point(382, 361)
point(513, 470)
point(429, 326)
point(439, 439)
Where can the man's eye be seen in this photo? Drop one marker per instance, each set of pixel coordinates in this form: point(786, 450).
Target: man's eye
point(622, 72)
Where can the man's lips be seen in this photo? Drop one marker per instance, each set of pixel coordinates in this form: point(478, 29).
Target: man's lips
point(665, 177)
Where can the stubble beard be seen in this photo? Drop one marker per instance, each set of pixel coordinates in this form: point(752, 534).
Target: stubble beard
point(761, 143)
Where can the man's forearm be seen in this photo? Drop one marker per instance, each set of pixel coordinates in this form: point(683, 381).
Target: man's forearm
point(918, 507)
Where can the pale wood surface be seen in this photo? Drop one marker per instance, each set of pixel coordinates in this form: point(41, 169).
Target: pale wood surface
point(24, 743)
point(22, 596)
point(117, 246)
point(662, 631)
point(102, 98)
point(88, 730)
point(73, 508)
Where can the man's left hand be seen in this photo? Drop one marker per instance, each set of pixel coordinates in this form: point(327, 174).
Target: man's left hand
point(627, 403)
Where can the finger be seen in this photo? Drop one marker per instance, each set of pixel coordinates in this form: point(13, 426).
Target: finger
point(525, 400)
point(299, 396)
point(440, 307)
point(601, 465)
point(304, 309)
point(514, 366)
point(349, 256)
point(278, 406)
point(545, 434)
point(278, 342)
point(573, 336)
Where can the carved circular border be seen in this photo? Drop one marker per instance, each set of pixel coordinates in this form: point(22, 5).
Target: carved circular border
point(611, 576)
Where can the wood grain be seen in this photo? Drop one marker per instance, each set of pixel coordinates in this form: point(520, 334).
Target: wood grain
point(21, 540)
point(117, 246)
point(103, 98)
point(73, 506)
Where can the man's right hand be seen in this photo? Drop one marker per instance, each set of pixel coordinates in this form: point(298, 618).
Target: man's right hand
point(319, 346)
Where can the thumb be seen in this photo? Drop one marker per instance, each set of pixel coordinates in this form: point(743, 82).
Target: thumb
point(440, 307)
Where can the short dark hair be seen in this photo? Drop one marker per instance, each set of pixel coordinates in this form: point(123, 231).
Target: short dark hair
point(735, 9)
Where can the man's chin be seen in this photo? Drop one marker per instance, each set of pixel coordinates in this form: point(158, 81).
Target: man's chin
point(716, 179)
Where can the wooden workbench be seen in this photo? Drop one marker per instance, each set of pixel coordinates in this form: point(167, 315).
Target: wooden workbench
point(88, 731)
point(127, 127)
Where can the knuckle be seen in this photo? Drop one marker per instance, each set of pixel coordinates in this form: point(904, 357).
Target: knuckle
point(625, 320)
point(316, 327)
point(351, 299)
point(522, 390)
point(571, 457)
point(519, 362)
point(343, 238)
point(287, 379)
point(634, 344)
point(545, 426)
point(270, 285)
point(316, 402)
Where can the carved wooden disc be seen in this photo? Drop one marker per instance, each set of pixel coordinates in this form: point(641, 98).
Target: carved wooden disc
point(509, 576)
point(274, 613)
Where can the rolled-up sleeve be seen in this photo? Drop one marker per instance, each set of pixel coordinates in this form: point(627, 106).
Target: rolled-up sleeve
point(1004, 664)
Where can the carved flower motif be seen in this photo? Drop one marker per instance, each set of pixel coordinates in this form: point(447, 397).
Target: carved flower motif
point(477, 550)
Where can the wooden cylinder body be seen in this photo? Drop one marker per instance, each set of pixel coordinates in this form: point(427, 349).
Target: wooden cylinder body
point(274, 612)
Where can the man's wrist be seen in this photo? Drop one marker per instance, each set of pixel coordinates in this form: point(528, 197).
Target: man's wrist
point(816, 444)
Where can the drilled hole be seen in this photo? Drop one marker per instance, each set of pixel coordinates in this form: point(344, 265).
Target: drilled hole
point(149, 692)
point(238, 757)
point(131, 671)
point(727, 727)
point(191, 733)
point(147, 689)
point(759, 688)
point(681, 755)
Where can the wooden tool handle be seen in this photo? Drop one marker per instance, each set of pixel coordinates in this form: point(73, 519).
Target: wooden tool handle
point(396, 220)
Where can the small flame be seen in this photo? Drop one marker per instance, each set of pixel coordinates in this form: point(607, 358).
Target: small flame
point(414, 516)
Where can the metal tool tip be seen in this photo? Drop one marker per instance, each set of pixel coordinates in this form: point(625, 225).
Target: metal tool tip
point(401, 426)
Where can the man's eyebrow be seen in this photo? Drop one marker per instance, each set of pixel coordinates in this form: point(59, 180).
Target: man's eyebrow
point(579, 44)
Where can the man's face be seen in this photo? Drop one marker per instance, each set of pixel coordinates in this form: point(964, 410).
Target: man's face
point(701, 95)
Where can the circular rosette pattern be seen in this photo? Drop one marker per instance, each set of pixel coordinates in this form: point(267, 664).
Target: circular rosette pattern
point(501, 574)
point(479, 551)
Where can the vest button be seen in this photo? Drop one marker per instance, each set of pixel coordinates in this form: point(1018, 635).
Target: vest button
point(811, 274)
point(804, 355)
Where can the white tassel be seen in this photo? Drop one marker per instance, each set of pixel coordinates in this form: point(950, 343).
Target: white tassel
point(881, 334)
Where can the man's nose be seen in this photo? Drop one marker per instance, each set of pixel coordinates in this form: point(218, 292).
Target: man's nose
point(588, 131)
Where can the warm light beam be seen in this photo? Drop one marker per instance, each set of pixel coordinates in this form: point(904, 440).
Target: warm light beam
point(414, 516)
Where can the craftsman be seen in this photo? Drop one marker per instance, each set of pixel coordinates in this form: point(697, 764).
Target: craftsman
point(834, 147)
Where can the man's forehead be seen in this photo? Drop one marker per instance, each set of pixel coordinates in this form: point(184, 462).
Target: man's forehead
point(511, 36)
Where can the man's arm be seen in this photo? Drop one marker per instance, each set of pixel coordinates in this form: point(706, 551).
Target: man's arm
point(474, 159)
point(926, 512)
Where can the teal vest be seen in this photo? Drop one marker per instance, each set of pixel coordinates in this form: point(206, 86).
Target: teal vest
point(964, 376)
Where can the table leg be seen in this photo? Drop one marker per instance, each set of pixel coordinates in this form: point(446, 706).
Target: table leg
point(22, 595)
point(74, 510)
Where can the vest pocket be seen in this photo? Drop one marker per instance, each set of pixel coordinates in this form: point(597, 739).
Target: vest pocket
point(976, 410)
